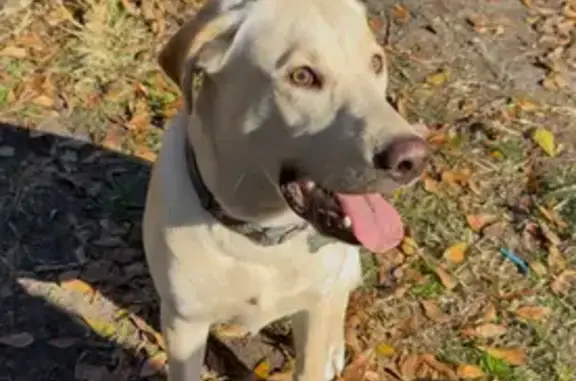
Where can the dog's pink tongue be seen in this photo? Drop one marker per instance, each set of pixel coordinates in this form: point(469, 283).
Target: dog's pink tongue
point(375, 223)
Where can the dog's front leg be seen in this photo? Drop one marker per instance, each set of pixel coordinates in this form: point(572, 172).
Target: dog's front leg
point(319, 339)
point(186, 345)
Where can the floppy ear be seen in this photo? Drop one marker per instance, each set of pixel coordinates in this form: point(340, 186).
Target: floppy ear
point(199, 45)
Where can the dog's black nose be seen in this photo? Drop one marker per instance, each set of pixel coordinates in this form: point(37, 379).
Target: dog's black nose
point(405, 158)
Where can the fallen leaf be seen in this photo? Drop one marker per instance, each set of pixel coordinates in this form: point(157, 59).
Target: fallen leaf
point(556, 260)
point(358, 367)
point(456, 252)
point(516, 294)
point(549, 234)
point(489, 314)
point(534, 313)
point(154, 365)
point(103, 328)
point(230, 331)
point(527, 3)
point(13, 52)
point(375, 24)
point(469, 372)
point(477, 222)
point(409, 366)
point(454, 178)
point(446, 279)
point(433, 312)
point(563, 282)
point(386, 350)
point(408, 246)
point(371, 376)
point(401, 14)
point(17, 340)
point(513, 356)
point(143, 326)
point(545, 139)
point(552, 216)
point(63, 342)
point(77, 285)
point(538, 268)
point(444, 369)
point(262, 369)
point(485, 331)
point(437, 79)
point(525, 104)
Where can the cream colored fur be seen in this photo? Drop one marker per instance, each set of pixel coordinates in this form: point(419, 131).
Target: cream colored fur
point(246, 122)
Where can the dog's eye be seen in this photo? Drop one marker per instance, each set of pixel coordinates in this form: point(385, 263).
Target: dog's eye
point(304, 76)
point(377, 63)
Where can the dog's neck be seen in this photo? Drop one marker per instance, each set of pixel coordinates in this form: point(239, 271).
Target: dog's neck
point(266, 236)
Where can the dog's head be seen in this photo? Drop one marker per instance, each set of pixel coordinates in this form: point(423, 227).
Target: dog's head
point(293, 115)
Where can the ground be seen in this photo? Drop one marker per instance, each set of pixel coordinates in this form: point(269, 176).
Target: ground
point(483, 287)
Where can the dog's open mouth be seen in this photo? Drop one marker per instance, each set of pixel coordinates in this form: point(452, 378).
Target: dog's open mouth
point(358, 219)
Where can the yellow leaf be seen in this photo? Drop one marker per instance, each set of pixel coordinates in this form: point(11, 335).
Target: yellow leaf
point(437, 79)
point(408, 246)
point(534, 313)
point(385, 350)
point(446, 279)
point(538, 268)
point(513, 356)
point(456, 252)
point(101, 327)
point(77, 285)
point(469, 372)
point(545, 139)
point(485, 331)
point(262, 369)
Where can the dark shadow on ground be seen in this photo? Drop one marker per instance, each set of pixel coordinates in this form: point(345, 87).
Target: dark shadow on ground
point(72, 210)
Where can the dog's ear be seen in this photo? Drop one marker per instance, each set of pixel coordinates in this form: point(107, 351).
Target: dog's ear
point(200, 44)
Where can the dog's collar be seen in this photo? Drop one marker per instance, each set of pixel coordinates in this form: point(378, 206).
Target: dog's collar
point(265, 236)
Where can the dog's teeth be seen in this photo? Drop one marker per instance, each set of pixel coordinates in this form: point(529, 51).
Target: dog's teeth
point(346, 222)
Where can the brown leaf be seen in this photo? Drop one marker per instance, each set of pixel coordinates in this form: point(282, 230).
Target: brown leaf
point(375, 24)
point(563, 282)
point(143, 326)
point(446, 279)
point(145, 153)
point(13, 52)
point(489, 314)
point(409, 366)
point(513, 356)
point(556, 261)
point(553, 217)
point(485, 331)
point(430, 185)
point(400, 13)
point(154, 365)
point(456, 252)
point(516, 294)
point(433, 312)
point(534, 313)
point(444, 369)
point(469, 372)
point(478, 222)
point(17, 340)
point(358, 367)
point(549, 234)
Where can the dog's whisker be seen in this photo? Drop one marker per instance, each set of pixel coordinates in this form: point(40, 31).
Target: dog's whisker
point(238, 182)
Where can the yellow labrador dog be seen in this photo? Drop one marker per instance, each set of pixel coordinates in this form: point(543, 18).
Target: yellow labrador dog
point(269, 179)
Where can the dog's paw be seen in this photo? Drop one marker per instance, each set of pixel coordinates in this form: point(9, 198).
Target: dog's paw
point(336, 361)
